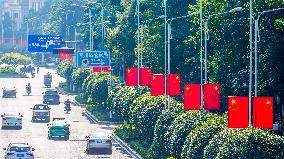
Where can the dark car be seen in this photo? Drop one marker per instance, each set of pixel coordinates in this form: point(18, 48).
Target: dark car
point(51, 96)
point(9, 92)
point(41, 112)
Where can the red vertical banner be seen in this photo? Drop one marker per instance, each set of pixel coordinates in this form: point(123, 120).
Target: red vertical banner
point(263, 112)
point(157, 85)
point(173, 84)
point(97, 69)
point(238, 112)
point(191, 96)
point(212, 96)
point(132, 77)
point(62, 56)
point(106, 69)
point(145, 76)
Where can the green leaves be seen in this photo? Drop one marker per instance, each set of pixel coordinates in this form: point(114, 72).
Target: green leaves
point(15, 59)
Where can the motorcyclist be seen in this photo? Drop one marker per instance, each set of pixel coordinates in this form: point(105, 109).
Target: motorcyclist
point(28, 88)
point(37, 70)
point(33, 74)
point(67, 105)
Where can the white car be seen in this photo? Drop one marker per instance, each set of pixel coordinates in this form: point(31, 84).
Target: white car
point(19, 151)
point(98, 141)
point(12, 120)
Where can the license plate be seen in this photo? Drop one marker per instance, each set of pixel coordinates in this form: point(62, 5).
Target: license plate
point(99, 141)
point(20, 155)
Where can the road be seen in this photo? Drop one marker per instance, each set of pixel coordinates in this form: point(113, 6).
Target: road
point(36, 133)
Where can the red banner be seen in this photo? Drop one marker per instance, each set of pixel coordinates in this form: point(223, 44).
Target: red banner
point(212, 96)
point(238, 114)
point(97, 69)
point(158, 85)
point(191, 96)
point(106, 69)
point(132, 77)
point(145, 76)
point(173, 84)
point(263, 112)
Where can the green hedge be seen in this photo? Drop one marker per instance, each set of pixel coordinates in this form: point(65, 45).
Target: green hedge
point(144, 113)
point(79, 75)
point(122, 98)
point(65, 69)
point(161, 127)
point(197, 140)
point(245, 143)
point(181, 127)
point(7, 69)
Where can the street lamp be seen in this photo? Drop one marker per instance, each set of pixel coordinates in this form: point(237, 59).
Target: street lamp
point(206, 37)
point(256, 40)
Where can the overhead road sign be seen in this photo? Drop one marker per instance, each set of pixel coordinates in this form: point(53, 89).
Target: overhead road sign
point(93, 58)
point(64, 50)
point(44, 43)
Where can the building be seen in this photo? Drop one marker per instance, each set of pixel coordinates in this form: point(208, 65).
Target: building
point(19, 9)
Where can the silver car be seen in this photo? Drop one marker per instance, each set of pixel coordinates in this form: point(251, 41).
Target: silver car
point(12, 120)
point(19, 151)
point(98, 141)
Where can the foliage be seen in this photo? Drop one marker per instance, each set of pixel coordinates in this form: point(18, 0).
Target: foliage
point(6, 69)
point(245, 143)
point(65, 69)
point(180, 128)
point(79, 75)
point(122, 99)
point(197, 140)
point(161, 127)
point(15, 59)
point(144, 113)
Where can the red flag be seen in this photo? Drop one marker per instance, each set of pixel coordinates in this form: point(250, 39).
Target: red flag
point(97, 69)
point(173, 84)
point(145, 76)
point(263, 112)
point(238, 114)
point(132, 77)
point(158, 85)
point(191, 96)
point(212, 96)
point(106, 69)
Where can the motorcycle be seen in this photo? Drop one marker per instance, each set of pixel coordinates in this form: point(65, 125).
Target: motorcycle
point(67, 106)
point(28, 90)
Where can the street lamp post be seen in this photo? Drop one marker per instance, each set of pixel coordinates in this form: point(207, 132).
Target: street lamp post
point(250, 63)
point(206, 37)
point(165, 47)
point(138, 48)
point(201, 58)
point(256, 40)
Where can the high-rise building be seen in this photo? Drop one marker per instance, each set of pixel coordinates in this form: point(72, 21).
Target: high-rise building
point(19, 9)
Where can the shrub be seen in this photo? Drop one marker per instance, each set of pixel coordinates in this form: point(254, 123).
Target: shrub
point(197, 140)
point(245, 143)
point(162, 124)
point(79, 75)
point(180, 128)
point(122, 99)
point(6, 69)
point(65, 70)
point(15, 59)
point(144, 113)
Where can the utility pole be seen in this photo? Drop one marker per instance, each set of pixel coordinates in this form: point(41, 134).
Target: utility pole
point(165, 50)
point(102, 18)
point(138, 49)
point(90, 38)
point(250, 64)
point(201, 58)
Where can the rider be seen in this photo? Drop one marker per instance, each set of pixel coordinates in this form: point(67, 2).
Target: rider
point(37, 70)
point(67, 104)
point(29, 87)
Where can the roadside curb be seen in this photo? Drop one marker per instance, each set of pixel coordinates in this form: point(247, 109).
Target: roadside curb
point(126, 147)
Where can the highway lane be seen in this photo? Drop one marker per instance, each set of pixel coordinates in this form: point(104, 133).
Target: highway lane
point(36, 133)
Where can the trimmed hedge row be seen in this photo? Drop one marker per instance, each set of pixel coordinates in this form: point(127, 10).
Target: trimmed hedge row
point(172, 132)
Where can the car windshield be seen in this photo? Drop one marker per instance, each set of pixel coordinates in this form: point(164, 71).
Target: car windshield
point(20, 149)
point(98, 135)
point(50, 92)
point(40, 107)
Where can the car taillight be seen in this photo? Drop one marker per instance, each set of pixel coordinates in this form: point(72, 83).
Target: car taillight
point(10, 153)
point(30, 154)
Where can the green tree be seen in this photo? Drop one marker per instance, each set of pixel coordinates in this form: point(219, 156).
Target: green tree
point(15, 59)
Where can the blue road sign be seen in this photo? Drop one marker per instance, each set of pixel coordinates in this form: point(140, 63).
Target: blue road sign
point(92, 58)
point(44, 43)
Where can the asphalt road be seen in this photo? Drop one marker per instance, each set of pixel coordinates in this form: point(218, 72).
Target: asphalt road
point(36, 133)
